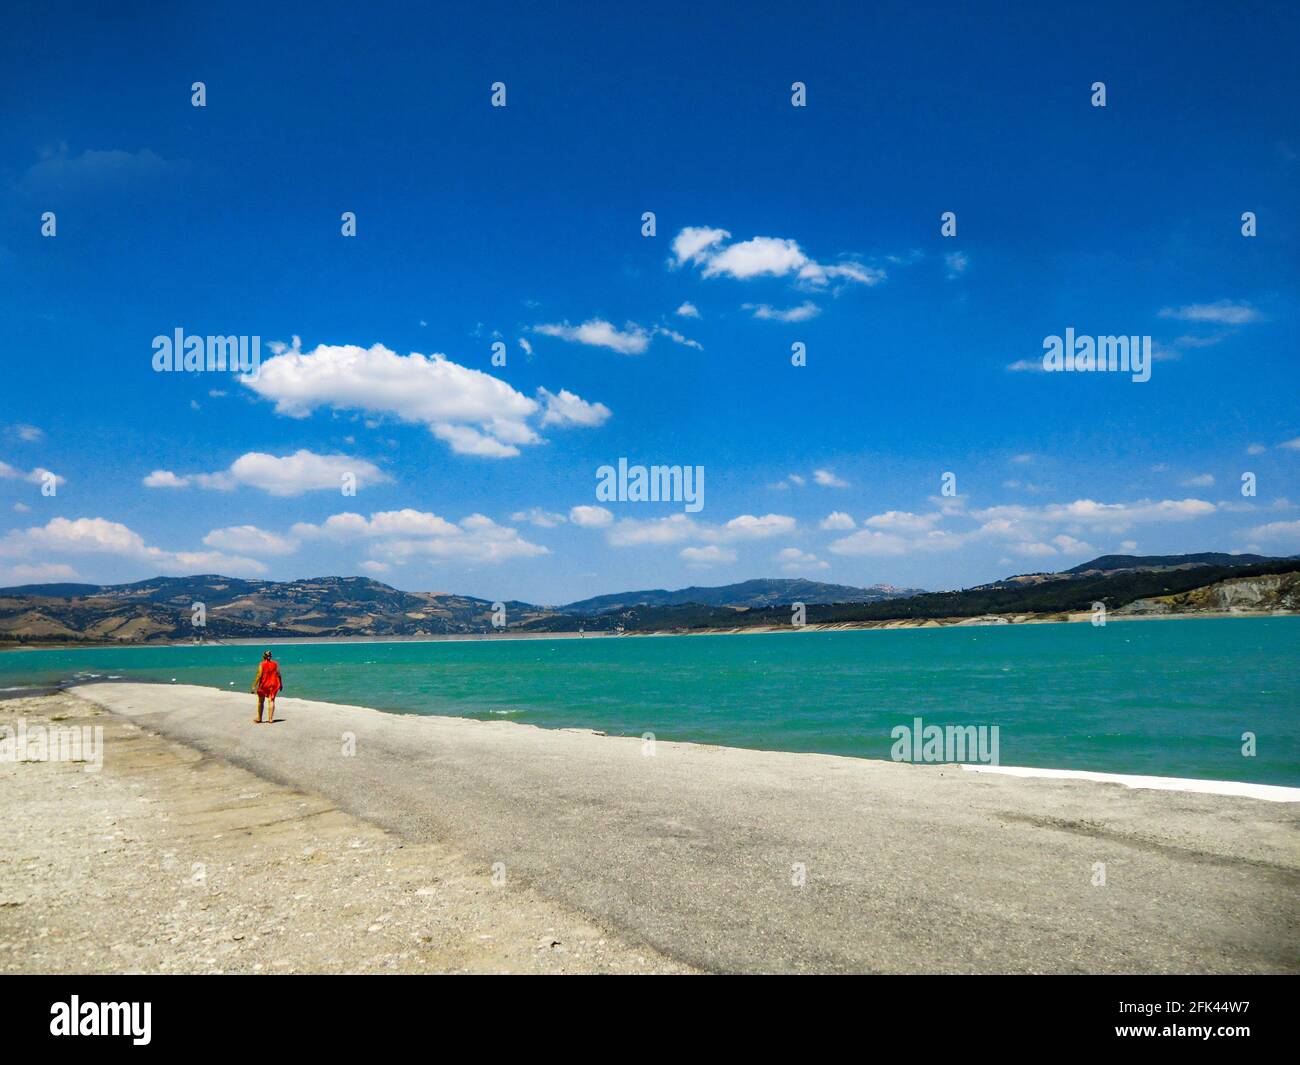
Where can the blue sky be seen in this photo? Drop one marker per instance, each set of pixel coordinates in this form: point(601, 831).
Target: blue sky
point(775, 224)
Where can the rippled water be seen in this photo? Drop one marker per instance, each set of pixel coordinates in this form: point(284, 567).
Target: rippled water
point(1171, 698)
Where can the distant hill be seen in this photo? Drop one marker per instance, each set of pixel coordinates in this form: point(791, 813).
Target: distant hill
point(1170, 589)
point(1112, 564)
point(755, 593)
point(159, 609)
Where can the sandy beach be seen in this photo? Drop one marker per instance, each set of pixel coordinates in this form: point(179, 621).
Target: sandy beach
point(167, 860)
point(632, 857)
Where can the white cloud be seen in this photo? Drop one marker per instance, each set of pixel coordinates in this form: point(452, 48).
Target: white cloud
point(527, 347)
point(1026, 366)
point(401, 536)
point(795, 561)
point(837, 519)
point(36, 475)
point(99, 536)
point(956, 262)
point(707, 555)
point(827, 479)
point(688, 310)
point(1115, 517)
point(802, 313)
point(472, 411)
point(1291, 445)
point(1128, 546)
point(278, 475)
point(679, 528)
point(165, 479)
point(1201, 480)
point(903, 521)
point(677, 338)
point(1256, 449)
point(706, 248)
point(1277, 530)
point(250, 540)
point(566, 408)
point(371, 566)
point(1227, 312)
point(596, 332)
point(544, 519)
point(29, 434)
point(870, 542)
point(590, 517)
point(39, 573)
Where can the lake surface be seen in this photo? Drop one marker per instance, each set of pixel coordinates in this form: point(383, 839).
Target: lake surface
point(1170, 698)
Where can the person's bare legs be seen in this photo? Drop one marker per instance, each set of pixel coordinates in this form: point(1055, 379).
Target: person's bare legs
point(261, 699)
point(270, 706)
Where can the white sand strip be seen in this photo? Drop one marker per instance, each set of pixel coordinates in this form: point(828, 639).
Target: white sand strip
point(1267, 792)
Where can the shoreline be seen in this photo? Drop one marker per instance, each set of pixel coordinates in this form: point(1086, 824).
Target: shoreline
point(689, 849)
point(893, 625)
point(1282, 793)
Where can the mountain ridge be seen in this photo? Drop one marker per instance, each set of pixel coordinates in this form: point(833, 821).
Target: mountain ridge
point(163, 608)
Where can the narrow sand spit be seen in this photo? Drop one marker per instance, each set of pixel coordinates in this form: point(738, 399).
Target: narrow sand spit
point(734, 860)
point(167, 860)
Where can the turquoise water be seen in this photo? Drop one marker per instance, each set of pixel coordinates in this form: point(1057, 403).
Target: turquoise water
point(1164, 697)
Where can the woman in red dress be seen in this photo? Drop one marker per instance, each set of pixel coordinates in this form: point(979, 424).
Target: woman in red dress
point(267, 685)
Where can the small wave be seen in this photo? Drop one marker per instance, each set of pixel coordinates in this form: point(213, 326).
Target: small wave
point(517, 710)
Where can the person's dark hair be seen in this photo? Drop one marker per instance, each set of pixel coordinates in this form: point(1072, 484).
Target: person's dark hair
point(266, 654)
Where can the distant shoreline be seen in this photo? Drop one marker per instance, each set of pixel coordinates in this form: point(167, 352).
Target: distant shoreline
point(981, 621)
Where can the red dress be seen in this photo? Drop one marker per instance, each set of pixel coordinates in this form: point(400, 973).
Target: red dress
point(268, 680)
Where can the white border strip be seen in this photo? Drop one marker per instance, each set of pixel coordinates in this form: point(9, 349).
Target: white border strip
point(1267, 792)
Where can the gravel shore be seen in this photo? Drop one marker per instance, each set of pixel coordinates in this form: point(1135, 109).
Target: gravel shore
point(168, 860)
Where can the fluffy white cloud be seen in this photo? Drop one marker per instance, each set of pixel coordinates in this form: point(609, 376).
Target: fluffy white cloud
point(590, 517)
point(99, 536)
point(1115, 517)
point(802, 313)
point(471, 411)
point(795, 561)
point(827, 479)
point(165, 479)
point(1278, 530)
point(679, 528)
point(677, 338)
point(250, 540)
point(870, 542)
point(838, 520)
point(566, 408)
point(544, 519)
point(1201, 480)
point(956, 261)
point(38, 573)
point(1291, 445)
point(903, 521)
point(401, 536)
point(596, 332)
point(279, 475)
point(36, 475)
point(708, 249)
point(1226, 312)
point(688, 310)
